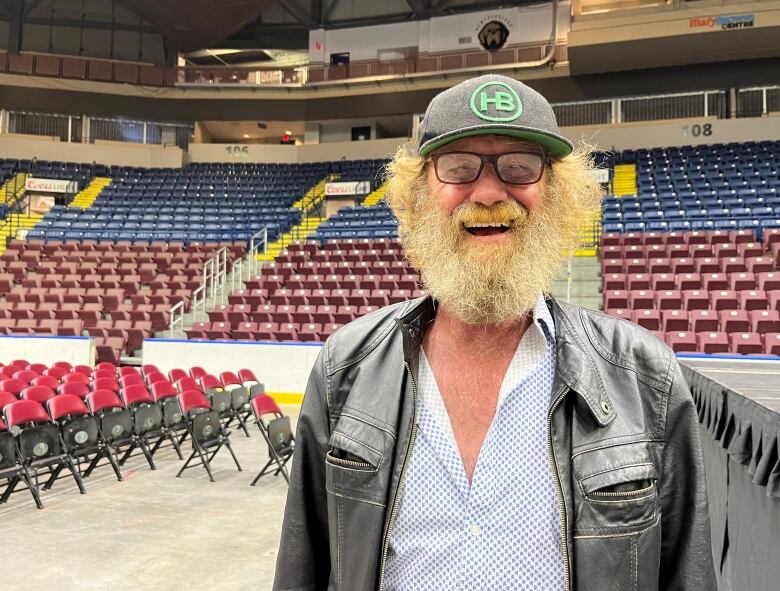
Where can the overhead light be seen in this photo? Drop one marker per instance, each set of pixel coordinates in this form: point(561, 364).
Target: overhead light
point(288, 132)
point(246, 135)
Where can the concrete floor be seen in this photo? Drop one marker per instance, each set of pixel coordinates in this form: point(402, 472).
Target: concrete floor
point(153, 530)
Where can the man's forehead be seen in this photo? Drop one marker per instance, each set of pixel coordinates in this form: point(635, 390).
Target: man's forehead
point(490, 142)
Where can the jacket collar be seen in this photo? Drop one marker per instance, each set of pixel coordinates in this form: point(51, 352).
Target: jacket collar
point(575, 364)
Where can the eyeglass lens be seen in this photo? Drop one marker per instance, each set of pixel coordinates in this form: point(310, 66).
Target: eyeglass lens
point(518, 168)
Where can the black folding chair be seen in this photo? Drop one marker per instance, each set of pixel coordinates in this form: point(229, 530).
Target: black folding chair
point(277, 433)
point(206, 430)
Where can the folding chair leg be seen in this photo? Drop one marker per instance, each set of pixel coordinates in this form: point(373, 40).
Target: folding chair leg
point(242, 424)
point(33, 487)
point(54, 475)
point(175, 444)
point(76, 476)
point(184, 467)
point(127, 453)
point(145, 449)
point(206, 463)
point(9, 489)
point(235, 459)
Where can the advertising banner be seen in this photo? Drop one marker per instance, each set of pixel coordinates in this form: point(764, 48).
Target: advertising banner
point(50, 185)
point(347, 188)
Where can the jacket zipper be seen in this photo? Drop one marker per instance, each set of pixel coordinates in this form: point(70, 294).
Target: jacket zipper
point(630, 493)
point(559, 491)
point(401, 481)
point(350, 463)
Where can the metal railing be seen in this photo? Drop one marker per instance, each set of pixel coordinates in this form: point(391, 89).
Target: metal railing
point(177, 317)
point(758, 101)
point(258, 241)
point(705, 103)
point(214, 284)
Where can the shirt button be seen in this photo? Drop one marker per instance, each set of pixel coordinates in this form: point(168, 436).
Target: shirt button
point(475, 530)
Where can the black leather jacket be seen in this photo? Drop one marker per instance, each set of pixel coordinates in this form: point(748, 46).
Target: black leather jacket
point(623, 442)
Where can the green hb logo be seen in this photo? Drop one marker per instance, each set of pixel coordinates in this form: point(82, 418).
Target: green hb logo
point(496, 101)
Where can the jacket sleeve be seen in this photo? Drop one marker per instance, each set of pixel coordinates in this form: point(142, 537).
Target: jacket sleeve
point(686, 550)
point(303, 562)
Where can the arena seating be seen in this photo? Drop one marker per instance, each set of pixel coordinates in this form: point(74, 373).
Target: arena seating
point(310, 291)
point(118, 292)
point(702, 291)
point(359, 222)
point(711, 187)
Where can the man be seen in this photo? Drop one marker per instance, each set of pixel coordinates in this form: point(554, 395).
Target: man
point(489, 436)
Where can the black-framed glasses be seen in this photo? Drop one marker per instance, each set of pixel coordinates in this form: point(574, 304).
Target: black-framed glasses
point(513, 168)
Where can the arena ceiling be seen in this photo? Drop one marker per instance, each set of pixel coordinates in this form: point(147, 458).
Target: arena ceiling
point(282, 24)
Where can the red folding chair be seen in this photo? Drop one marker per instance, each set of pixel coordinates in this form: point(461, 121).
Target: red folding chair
point(79, 432)
point(197, 372)
point(249, 380)
point(79, 389)
point(13, 386)
point(75, 376)
point(187, 383)
point(166, 397)
point(176, 374)
point(207, 432)
point(148, 420)
point(26, 376)
point(115, 425)
point(38, 448)
point(39, 394)
point(277, 433)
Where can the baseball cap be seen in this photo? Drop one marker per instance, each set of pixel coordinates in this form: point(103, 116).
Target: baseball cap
point(491, 104)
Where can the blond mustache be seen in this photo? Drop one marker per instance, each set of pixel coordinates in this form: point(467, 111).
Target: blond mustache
point(506, 213)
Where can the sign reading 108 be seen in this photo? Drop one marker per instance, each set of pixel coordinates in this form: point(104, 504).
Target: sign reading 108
point(697, 130)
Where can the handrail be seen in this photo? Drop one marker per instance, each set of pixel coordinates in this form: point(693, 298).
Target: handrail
point(198, 301)
point(176, 320)
point(254, 246)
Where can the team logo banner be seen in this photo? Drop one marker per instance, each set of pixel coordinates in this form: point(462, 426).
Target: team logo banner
point(50, 185)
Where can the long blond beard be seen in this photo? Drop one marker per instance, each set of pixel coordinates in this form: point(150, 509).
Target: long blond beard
point(491, 283)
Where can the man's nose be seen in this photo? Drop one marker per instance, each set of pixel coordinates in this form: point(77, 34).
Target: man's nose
point(488, 188)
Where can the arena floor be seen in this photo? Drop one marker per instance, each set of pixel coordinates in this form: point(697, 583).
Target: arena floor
point(152, 531)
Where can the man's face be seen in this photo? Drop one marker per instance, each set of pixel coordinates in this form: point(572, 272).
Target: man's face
point(486, 249)
point(487, 191)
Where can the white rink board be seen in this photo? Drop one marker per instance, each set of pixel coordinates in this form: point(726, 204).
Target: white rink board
point(47, 349)
point(282, 367)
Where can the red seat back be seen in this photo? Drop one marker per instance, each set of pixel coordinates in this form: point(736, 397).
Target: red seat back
point(48, 381)
point(75, 376)
point(38, 393)
point(136, 394)
point(176, 374)
point(56, 372)
point(162, 390)
point(102, 400)
point(197, 372)
point(187, 383)
point(105, 384)
point(66, 404)
point(264, 404)
point(155, 377)
point(228, 378)
point(85, 369)
point(247, 376)
point(26, 376)
point(6, 398)
point(25, 411)
point(13, 385)
point(149, 368)
point(210, 382)
point(192, 399)
point(79, 389)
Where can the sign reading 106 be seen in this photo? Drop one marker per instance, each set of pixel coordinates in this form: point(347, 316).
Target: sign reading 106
point(237, 150)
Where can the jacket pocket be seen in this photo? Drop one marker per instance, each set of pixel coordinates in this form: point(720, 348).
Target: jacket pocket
point(617, 520)
point(355, 462)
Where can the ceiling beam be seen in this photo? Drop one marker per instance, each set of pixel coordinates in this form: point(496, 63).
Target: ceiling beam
point(260, 36)
point(299, 14)
point(420, 8)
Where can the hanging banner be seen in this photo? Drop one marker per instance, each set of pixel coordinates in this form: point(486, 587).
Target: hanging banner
point(347, 188)
point(50, 185)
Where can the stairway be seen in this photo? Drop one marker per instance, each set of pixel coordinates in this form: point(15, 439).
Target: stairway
point(314, 195)
point(625, 179)
point(376, 195)
point(21, 224)
point(586, 284)
point(299, 232)
point(13, 189)
point(86, 197)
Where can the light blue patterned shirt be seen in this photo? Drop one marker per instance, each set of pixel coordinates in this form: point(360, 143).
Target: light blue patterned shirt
point(504, 530)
